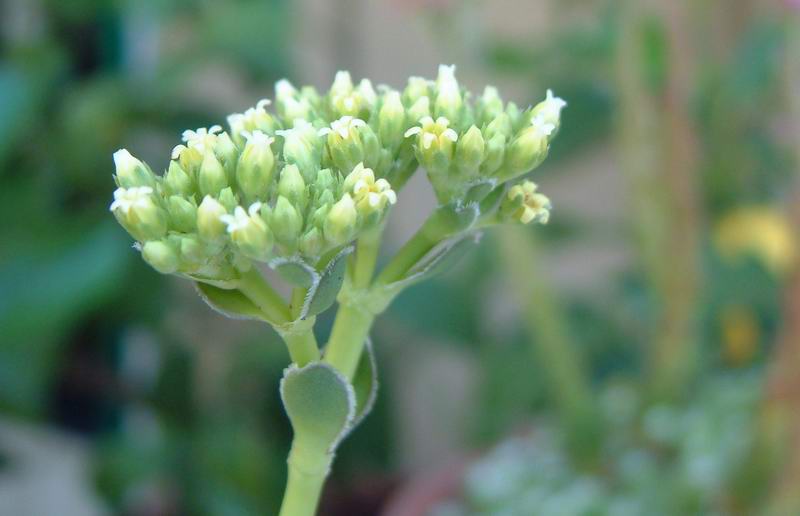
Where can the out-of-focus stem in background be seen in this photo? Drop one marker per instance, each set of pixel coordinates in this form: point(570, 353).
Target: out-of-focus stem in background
point(560, 361)
point(658, 152)
point(779, 440)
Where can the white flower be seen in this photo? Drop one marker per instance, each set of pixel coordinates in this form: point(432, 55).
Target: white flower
point(541, 126)
point(202, 137)
point(375, 193)
point(124, 160)
point(240, 219)
point(257, 138)
point(284, 89)
point(127, 198)
point(553, 105)
point(343, 127)
point(177, 151)
point(431, 131)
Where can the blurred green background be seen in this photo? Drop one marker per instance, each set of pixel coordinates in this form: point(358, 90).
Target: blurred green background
point(637, 356)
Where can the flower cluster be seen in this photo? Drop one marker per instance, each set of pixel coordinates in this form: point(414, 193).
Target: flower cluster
point(309, 177)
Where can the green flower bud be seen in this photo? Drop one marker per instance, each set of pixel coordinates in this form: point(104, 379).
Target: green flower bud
point(523, 204)
point(286, 222)
point(302, 147)
point(292, 187)
point(211, 179)
point(225, 150)
point(420, 109)
point(249, 232)
point(177, 181)
point(311, 243)
point(182, 214)
point(325, 181)
point(367, 93)
point(391, 120)
point(528, 149)
point(470, 151)
point(448, 94)
point(135, 208)
point(500, 125)
point(417, 88)
point(193, 252)
point(189, 159)
point(161, 255)
point(495, 152)
point(345, 142)
point(228, 199)
point(130, 172)
point(549, 110)
point(342, 84)
point(256, 166)
point(290, 105)
point(490, 105)
point(209, 223)
point(340, 222)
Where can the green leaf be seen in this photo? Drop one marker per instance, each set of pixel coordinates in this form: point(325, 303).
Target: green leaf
point(439, 259)
point(365, 383)
point(320, 403)
point(229, 302)
point(323, 294)
point(295, 271)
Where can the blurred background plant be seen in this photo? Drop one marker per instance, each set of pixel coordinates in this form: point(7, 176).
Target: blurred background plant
point(637, 357)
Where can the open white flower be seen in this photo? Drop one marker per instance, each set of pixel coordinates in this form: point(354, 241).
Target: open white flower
point(201, 138)
point(550, 109)
point(431, 131)
point(368, 193)
point(344, 127)
point(126, 199)
point(241, 219)
point(542, 127)
point(535, 207)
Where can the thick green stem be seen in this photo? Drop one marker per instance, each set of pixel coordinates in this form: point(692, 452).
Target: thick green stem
point(302, 346)
point(308, 469)
point(350, 330)
point(253, 285)
point(425, 239)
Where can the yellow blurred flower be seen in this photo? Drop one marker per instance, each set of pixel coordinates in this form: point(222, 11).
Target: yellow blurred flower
point(740, 334)
point(759, 231)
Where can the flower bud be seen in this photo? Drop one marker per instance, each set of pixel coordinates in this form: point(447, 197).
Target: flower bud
point(209, 224)
point(189, 159)
point(211, 178)
point(161, 255)
point(130, 172)
point(470, 152)
point(192, 250)
point(340, 222)
point(391, 120)
point(549, 110)
point(342, 84)
point(448, 95)
point(311, 242)
point(367, 93)
point(293, 187)
point(490, 105)
point(500, 125)
point(528, 149)
point(228, 199)
point(495, 152)
point(523, 204)
point(136, 210)
point(289, 104)
point(225, 150)
point(249, 232)
point(286, 222)
point(344, 142)
point(417, 88)
point(303, 148)
point(177, 181)
point(420, 109)
point(256, 166)
point(182, 214)
point(253, 119)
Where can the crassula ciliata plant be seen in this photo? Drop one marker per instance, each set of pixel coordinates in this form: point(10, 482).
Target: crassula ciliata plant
point(305, 189)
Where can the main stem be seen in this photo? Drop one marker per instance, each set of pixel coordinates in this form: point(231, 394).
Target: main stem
point(308, 469)
point(352, 324)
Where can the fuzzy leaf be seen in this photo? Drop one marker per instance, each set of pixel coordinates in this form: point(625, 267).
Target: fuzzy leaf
point(320, 403)
point(296, 272)
point(323, 294)
point(365, 383)
point(229, 302)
